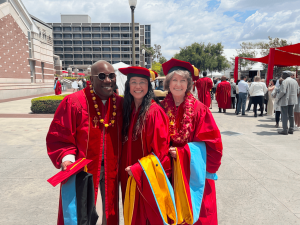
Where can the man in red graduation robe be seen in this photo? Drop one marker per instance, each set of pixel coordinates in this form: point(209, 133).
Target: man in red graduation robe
point(223, 95)
point(57, 86)
point(88, 124)
point(204, 85)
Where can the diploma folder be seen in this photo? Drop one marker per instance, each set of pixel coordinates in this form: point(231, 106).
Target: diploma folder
point(71, 170)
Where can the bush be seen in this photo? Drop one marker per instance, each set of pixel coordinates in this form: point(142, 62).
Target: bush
point(75, 78)
point(47, 104)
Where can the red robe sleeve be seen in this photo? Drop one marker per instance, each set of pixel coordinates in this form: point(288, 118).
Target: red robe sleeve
point(209, 84)
point(206, 130)
point(60, 139)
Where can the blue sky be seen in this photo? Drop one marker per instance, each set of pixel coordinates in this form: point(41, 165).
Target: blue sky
point(178, 23)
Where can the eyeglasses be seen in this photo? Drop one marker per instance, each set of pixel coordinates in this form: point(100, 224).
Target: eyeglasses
point(142, 84)
point(102, 76)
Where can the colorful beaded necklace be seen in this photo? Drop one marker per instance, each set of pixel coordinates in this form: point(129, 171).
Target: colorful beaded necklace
point(104, 121)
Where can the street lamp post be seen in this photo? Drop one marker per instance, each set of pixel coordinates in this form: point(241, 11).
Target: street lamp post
point(143, 52)
point(132, 4)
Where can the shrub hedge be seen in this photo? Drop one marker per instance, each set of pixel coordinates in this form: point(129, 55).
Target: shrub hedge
point(46, 104)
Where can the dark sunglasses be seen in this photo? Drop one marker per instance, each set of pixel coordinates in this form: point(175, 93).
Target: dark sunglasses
point(102, 76)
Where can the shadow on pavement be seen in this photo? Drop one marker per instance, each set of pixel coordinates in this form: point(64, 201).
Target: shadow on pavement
point(266, 133)
point(266, 125)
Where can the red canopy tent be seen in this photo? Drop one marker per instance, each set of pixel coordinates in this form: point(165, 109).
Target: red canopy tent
point(282, 56)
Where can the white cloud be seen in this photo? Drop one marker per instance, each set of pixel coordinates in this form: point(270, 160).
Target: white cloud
point(177, 23)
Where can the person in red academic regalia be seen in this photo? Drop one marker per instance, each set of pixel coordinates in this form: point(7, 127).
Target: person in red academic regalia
point(192, 121)
point(145, 131)
point(57, 86)
point(204, 85)
point(88, 124)
point(223, 95)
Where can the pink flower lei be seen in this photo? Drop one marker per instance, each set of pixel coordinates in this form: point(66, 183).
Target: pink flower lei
point(181, 136)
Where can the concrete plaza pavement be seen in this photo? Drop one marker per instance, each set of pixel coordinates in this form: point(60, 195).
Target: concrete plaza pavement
point(259, 179)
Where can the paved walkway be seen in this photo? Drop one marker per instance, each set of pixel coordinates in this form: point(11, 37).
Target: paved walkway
point(259, 179)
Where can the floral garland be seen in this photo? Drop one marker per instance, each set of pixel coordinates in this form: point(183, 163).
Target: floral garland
point(180, 135)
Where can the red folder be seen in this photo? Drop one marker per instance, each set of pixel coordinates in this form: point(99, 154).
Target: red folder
point(71, 170)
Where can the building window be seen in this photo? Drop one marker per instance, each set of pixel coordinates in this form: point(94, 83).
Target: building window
point(124, 28)
point(125, 42)
point(96, 42)
point(105, 28)
point(77, 56)
point(147, 28)
point(125, 56)
point(96, 49)
point(76, 49)
point(77, 36)
point(115, 35)
point(58, 42)
point(88, 29)
point(147, 35)
point(57, 49)
point(116, 55)
point(77, 42)
point(136, 35)
point(68, 56)
point(125, 35)
point(87, 55)
point(115, 49)
point(115, 42)
point(88, 62)
point(57, 36)
point(137, 56)
point(97, 56)
point(106, 49)
point(147, 42)
point(67, 29)
point(68, 49)
point(87, 42)
point(106, 42)
point(87, 35)
point(87, 49)
point(125, 49)
point(96, 29)
point(67, 42)
point(76, 29)
point(67, 36)
point(68, 63)
point(137, 49)
point(105, 35)
point(96, 36)
point(115, 29)
point(106, 55)
point(137, 42)
point(56, 29)
point(77, 62)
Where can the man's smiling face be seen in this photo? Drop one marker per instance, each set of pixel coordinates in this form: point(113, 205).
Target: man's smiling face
point(103, 88)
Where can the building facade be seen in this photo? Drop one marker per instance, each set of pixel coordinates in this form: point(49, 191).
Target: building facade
point(79, 43)
point(26, 47)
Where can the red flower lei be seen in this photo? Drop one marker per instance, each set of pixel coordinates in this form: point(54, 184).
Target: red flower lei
point(180, 135)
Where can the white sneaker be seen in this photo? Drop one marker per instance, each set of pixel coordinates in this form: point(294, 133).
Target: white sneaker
point(296, 129)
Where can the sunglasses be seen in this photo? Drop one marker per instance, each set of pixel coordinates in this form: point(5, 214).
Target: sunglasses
point(102, 76)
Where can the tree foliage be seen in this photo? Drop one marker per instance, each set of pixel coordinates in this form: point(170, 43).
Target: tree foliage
point(205, 57)
point(156, 66)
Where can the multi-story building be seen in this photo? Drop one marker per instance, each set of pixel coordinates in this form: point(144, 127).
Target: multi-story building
point(80, 43)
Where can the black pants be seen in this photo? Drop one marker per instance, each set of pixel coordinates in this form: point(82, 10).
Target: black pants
point(266, 103)
point(277, 116)
point(224, 110)
point(250, 103)
point(258, 100)
point(232, 102)
point(237, 100)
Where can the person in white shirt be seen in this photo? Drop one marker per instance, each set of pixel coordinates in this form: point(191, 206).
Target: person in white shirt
point(257, 91)
point(243, 90)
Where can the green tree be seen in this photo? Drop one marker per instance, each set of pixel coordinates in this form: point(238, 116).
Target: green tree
point(156, 66)
point(162, 60)
point(205, 57)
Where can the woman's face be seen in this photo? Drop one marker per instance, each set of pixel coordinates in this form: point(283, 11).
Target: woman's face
point(138, 87)
point(178, 85)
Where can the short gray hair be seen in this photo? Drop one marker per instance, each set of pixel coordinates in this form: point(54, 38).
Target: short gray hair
point(257, 78)
point(185, 74)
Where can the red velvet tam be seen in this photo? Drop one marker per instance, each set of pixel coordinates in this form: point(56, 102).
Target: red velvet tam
point(135, 71)
point(56, 78)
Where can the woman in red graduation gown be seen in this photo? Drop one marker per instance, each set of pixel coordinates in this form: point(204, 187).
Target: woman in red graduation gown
point(57, 86)
point(192, 121)
point(145, 131)
point(223, 95)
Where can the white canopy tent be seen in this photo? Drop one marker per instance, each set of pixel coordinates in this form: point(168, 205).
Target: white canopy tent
point(121, 78)
point(214, 74)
